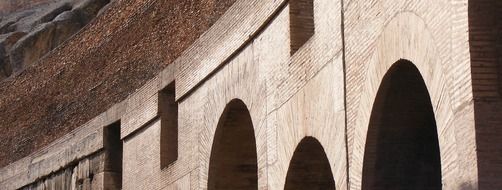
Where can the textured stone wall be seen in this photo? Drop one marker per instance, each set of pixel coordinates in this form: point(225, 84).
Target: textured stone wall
point(375, 77)
point(84, 174)
point(377, 35)
point(115, 54)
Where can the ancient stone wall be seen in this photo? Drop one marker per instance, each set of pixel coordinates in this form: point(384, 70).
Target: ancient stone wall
point(111, 57)
point(378, 95)
point(85, 174)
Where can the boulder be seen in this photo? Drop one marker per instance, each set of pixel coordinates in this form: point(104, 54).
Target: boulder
point(32, 46)
point(46, 26)
point(88, 9)
point(6, 42)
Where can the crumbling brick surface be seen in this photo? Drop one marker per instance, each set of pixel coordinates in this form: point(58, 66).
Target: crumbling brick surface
point(132, 41)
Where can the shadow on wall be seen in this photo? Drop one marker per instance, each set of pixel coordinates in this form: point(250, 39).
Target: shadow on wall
point(485, 43)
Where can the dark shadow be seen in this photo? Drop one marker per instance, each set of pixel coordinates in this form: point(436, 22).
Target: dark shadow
point(168, 111)
point(485, 43)
point(301, 20)
point(309, 167)
point(402, 149)
point(113, 156)
point(233, 162)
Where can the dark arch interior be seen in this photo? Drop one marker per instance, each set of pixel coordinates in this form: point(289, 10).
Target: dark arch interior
point(233, 162)
point(309, 167)
point(402, 149)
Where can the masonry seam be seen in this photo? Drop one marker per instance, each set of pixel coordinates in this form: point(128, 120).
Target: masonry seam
point(344, 67)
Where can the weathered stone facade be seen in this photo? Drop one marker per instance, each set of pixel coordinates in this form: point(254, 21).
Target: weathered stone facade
point(365, 95)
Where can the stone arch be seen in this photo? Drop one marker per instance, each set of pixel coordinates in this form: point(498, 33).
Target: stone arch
point(406, 36)
point(233, 160)
point(402, 149)
point(309, 167)
point(485, 46)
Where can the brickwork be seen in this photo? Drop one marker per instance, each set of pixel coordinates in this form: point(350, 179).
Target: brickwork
point(88, 173)
point(375, 40)
point(485, 42)
point(380, 96)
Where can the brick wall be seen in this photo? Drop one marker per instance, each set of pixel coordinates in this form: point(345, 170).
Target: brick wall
point(333, 90)
point(485, 41)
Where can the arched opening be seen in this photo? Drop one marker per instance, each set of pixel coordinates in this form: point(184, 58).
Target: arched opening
point(233, 162)
point(402, 149)
point(309, 167)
